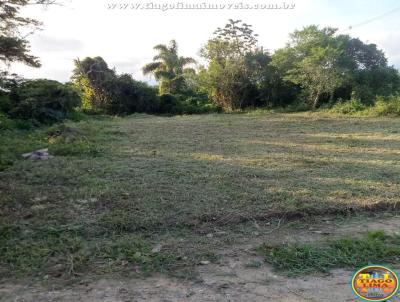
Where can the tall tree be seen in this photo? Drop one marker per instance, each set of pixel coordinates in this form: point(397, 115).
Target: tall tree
point(329, 66)
point(368, 71)
point(93, 77)
point(311, 60)
point(169, 68)
point(235, 66)
point(319, 73)
point(14, 47)
point(102, 89)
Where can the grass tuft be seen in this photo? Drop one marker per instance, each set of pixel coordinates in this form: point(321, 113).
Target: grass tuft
point(374, 248)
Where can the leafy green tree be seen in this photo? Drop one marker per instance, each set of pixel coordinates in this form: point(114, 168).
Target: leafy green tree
point(236, 67)
point(14, 47)
point(169, 68)
point(318, 73)
point(105, 91)
point(310, 60)
point(368, 71)
point(94, 78)
point(328, 66)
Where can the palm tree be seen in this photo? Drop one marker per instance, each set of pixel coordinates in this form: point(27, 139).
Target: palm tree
point(168, 68)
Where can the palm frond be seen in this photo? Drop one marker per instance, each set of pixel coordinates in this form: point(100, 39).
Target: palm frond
point(161, 48)
point(151, 67)
point(186, 60)
point(164, 57)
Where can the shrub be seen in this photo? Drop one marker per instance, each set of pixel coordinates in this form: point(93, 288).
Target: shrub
point(104, 91)
point(5, 122)
point(77, 116)
point(45, 101)
point(4, 101)
point(129, 96)
point(387, 105)
point(199, 104)
point(348, 107)
point(170, 104)
point(186, 104)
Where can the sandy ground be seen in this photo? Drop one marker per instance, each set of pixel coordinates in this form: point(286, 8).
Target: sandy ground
point(229, 280)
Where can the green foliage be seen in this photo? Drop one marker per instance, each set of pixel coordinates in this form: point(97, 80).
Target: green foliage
point(13, 48)
point(4, 101)
point(198, 104)
point(94, 78)
point(77, 115)
point(130, 96)
point(182, 104)
point(382, 106)
point(102, 90)
point(330, 67)
point(375, 247)
point(169, 103)
point(387, 105)
point(310, 61)
point(349, 107)
point(5, 122)
point(237, 69)
point(169, 68)
point(44, 101)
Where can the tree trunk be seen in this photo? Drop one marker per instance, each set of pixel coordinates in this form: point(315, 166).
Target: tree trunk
point(315, 103)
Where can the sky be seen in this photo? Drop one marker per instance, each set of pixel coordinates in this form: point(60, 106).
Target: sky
point(125, 37)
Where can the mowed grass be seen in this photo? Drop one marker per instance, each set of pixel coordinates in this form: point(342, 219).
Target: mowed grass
point(116, 184)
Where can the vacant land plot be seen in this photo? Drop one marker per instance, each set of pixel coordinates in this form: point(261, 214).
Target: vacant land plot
point(146, 193)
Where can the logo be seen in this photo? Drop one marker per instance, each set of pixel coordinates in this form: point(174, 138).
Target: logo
point(375, 283)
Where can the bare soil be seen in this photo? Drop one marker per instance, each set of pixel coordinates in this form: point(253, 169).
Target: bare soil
point(231, 279)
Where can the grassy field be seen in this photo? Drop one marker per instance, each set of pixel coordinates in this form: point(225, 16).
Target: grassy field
point(118, 185)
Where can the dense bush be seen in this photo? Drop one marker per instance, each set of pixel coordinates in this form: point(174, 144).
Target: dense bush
point(329, 66)
point(104, 91)
point(182, 104)
point(382, 106)
point(197, 104)
point(349, 107)
point(4, 101)
point(42, 101)
point(129, 96)
point(5, 122)
point(169, 104)
point(387, 105)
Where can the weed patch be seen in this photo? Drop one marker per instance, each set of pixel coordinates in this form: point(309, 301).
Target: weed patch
point(374, 248)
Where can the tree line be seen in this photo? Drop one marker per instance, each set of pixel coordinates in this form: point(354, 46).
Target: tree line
point(318, 67)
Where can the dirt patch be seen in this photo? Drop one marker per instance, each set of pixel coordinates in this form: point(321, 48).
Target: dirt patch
point(239, 275)
point(227, 282)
